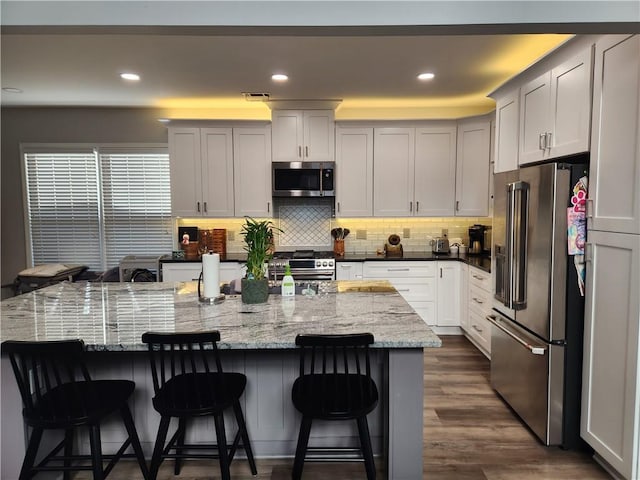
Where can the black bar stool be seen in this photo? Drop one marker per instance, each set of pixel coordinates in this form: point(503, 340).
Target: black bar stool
point(58, 393)
point(189, 382)
point(333, 386)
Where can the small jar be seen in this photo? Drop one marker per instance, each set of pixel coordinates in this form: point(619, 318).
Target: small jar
point(338, 247)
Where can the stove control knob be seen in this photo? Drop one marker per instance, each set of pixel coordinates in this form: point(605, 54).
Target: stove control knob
point(331, 263)
point(324, 264)
point(318, 263)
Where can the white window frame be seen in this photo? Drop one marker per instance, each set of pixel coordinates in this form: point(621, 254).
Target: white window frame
point(95, 149)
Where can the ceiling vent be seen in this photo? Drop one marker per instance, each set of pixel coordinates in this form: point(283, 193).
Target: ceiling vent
point(255, 96)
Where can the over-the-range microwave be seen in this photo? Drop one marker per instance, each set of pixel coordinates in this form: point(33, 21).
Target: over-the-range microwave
point(303, 179)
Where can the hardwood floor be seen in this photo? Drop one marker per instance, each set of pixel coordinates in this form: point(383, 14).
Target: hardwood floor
point(469, 434)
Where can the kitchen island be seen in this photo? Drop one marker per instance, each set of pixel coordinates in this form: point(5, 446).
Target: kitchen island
point(257, 340)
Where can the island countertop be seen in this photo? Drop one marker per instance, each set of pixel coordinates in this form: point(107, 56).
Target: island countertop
point(113, 316)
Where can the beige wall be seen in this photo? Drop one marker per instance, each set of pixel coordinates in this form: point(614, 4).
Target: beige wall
point(57, 125)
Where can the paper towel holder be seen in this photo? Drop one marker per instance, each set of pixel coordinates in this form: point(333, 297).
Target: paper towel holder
point(217, 299)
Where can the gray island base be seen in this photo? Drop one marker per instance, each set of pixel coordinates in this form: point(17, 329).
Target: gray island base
point(257, 340)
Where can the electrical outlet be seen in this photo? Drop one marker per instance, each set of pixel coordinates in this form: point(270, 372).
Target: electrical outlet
point(406, 233)
point(230, 236)
point(361, 234)
point(445, 232)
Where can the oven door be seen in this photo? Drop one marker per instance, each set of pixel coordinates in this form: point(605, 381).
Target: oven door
point(312, 274)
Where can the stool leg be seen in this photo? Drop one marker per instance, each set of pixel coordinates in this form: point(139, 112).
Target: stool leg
point(30, 454)
point(222, 447)
point(135, 441)
point(182, 426)
point(156, 459)
point(367, 451)
point(245, 437)
point(96, 452)
point(68, 451)
point(301, 449)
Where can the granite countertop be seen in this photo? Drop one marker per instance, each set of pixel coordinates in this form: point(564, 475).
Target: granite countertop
point(113, 316)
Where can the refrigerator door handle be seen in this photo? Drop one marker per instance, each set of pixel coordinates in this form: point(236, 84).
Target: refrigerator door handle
point(519, 193)
point(534, 349)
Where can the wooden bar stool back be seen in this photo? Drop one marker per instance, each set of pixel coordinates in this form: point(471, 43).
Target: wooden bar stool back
point(189, 382)
point(334, 384)
point(58, 393)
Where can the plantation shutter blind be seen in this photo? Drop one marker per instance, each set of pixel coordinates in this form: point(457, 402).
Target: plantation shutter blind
point(63, 208)
point(136, 202)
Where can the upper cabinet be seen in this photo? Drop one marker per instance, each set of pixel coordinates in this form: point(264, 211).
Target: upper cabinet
point(393, 167)
point(354, 166)
point(220, 172)
point(201, 169)
point(472, 171)
point(303, 135)
point(614, 196)
point(555, 111)
point(506, 137)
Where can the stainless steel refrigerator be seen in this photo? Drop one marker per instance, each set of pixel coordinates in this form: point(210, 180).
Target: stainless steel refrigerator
point(536, 341)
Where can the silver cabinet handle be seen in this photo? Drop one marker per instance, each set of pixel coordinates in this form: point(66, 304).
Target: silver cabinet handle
point(417, 207)
point(205, 207)
point(477, 277)
point(338, 207)
point(547, 140)
point(536, 350)
point(300, 151)
point(440, 272)
point(403, 289)
point(306, 152)
point(411, 206)
point(198, 207)
point(346, 267)
point(457, 205)
point(397, 269)
point(477, 300)
point(268, 207)
point(542, 141)
point(477, 329)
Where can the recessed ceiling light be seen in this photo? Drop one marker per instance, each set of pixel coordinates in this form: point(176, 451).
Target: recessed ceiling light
point(11, 90)
point(130, 76)
point(279, 77)
point(426, 76)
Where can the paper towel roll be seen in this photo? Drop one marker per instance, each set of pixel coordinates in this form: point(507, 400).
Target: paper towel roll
point(211, 275)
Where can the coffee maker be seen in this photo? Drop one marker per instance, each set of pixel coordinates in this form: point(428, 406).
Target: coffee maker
point(477, 239)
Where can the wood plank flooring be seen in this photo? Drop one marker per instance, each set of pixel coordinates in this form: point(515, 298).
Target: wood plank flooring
point(469, 434)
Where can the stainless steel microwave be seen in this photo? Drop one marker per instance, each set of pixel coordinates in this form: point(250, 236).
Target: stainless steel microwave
point(303, 179)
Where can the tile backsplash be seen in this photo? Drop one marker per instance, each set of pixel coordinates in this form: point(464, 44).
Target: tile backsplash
point(308, 225)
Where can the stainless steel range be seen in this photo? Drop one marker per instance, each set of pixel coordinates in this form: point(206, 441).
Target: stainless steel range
point(305, 265)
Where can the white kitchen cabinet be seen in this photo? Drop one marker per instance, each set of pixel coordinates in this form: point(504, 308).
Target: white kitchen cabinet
point(450, 296)
point(610, 417)
point(190, 271)
point(201, 169)
point(349, 270)
point(415, 281)
point(506, 137)
point(555, 111)
point(393, 171)
point(614, 196)
point(303, 135)
point(435, 171)
point(354, 166)
point(252, 171)
point(479, 300)
point(472, 169)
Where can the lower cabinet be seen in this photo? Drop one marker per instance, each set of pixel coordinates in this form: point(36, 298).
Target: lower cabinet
point(349, 270)
point(475, 325)
point(610, 420)
point(451, 299)
point(190, 271)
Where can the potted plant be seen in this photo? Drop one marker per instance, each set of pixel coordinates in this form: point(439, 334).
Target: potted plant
point(258, 239)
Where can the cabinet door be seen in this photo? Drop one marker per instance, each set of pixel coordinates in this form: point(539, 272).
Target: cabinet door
point(610, 397)
point(354, 164)
point(449, 294)
point(534, 119)
point(319, 136)
point(507, 118)
point(287, 135)
point(185, 172)
point(571, 105)
point(435, 171)
point(181, 272)
point(393, 171)
point(349, 270)
point(252, 171)
point(614, 203)
point(217, 172)
point(472, 175)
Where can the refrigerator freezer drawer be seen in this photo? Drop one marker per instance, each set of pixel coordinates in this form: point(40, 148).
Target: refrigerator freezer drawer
point(519, 373)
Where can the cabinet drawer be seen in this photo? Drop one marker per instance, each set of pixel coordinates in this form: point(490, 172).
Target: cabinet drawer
point(399, 269)
point(480, 330)
point(410, 289)
point(176, 272)
point(480, 278)
point(479, 300)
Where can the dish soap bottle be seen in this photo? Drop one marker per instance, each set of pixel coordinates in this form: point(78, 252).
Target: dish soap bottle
point(288, 288)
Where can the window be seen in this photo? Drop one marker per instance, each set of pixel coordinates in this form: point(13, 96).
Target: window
point(93, 206)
